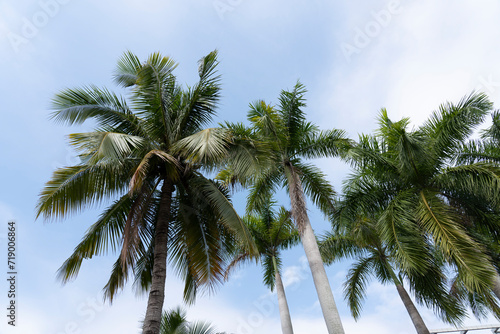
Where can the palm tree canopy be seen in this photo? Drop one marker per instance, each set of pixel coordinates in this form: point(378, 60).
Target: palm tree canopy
point(286, 137)
point(174, 322)
point(408, 180)
point(273, 231)
point(358, 238)
point(130, 160)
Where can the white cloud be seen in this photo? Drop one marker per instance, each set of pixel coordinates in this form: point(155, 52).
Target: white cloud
point(430, 53)
point(293, 275)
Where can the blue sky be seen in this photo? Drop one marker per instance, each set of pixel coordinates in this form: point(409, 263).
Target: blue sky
point(354, 57)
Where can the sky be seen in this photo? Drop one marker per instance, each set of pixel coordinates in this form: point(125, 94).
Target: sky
point(355, 57)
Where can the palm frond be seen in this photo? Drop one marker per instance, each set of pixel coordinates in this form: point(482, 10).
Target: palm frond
point(454, 123)
point(75, 106)
point(201, 101)
point(127, 69)
point(96, 146)
point(316, 187)
point(440, 222)
point(102, 236)
point(334, 247)
point(328, 143)
point(290, 109)
point(208, 147)
point(355, 285)
point(72, 189)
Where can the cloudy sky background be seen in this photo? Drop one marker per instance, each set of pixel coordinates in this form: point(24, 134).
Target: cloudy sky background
point(355, 57)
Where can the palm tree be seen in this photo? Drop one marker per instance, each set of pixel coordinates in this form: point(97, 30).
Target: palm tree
point(272, 232)
point(357, 237)
point(408, 180)
point(174, 322)
point(164, 202)
point(290, 139)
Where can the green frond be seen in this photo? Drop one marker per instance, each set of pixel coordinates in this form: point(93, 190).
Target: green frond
point(493, 132)
point(334, 247)
point(316, 187)
point(72, 189)
point(441, 223)
point(290, 109)
point(398, 228)
point(75, 106)
point(102, 236)
point(201, 328)
point(452, 124)
point(479, 181)
point(270, 264)
point(200, 102)
point(208, 147)
point(265, 119)
point(248, 154)
point(174, 322)
point(481, 305)
point(284, 233)
point(127, 69)
point(96, 146)
point(355, 285)
point(321, 144)
point(117, 280)
point(262, 189)
point(213, 195)
point(478, 151)
point(431, 290)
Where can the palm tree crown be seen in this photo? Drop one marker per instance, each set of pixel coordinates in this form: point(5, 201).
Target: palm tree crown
point(174, 322)
point(408, 180)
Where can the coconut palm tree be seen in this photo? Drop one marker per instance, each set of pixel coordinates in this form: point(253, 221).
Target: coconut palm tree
point(356, 237)
point(289, 139)
point(174, 322)
point(272, 232)
point(408, 180)
point(163, 202)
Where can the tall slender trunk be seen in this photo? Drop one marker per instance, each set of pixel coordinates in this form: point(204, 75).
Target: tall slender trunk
point(286, 321)
point(417, 320)
point(152, 320)
point(323, 289)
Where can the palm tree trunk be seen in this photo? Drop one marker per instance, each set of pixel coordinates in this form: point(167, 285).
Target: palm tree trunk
point(323, 289)
point(152, 320)
point(286, 321)
point(417, 320)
